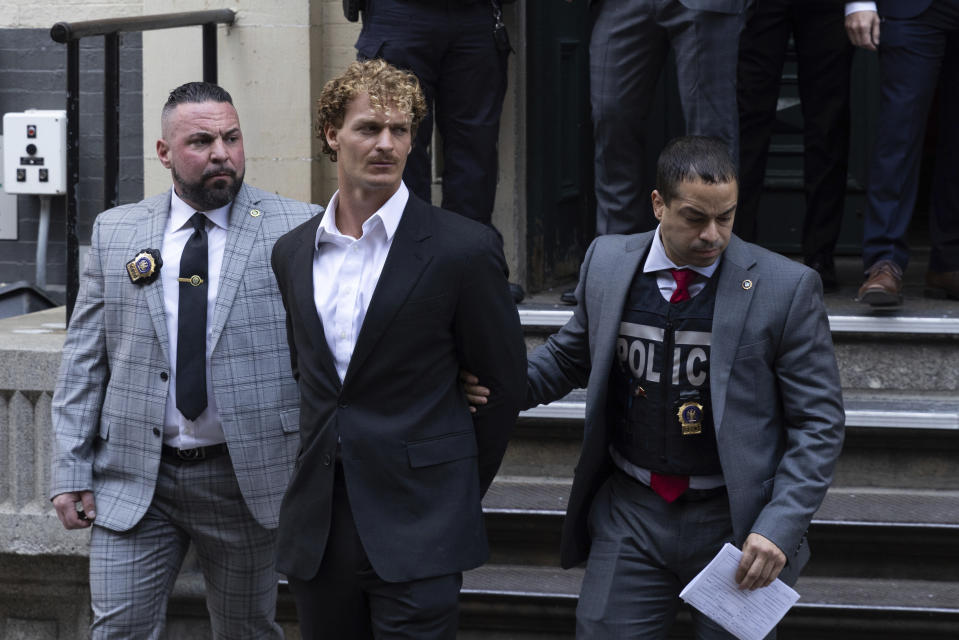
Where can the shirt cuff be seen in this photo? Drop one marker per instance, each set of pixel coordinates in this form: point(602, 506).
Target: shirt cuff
point(853, 7)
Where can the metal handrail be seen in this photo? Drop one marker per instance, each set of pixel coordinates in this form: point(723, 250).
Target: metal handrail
point(70, 33)
point(67, 31)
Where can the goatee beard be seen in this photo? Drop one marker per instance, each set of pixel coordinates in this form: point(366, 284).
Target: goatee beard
point(224, 189)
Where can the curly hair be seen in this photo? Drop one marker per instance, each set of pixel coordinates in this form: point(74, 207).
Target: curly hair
point(386, 85)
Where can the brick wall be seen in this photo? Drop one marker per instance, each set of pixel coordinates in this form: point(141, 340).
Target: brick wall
point(33, 76)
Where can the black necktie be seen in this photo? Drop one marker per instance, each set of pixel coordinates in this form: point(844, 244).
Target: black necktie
point(191, 323)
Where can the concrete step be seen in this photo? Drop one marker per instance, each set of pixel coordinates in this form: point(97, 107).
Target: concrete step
point(518, 601)
point(864, 408)
point(893, 439)
point(934, 318)
point(858, 531)
point(914, 350)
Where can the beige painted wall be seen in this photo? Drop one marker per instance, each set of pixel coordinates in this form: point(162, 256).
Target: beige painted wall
point(268, 64)
point(274, 61)
point(31, 14)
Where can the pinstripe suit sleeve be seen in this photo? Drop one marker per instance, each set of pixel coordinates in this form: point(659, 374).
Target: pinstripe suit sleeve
point(82, 381)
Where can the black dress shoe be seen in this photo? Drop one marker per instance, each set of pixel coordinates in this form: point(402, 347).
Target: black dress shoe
point(826, 269)
point(517, 292)
point(568, 297)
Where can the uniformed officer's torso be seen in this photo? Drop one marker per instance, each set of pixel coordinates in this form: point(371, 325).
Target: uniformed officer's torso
point(658, 405)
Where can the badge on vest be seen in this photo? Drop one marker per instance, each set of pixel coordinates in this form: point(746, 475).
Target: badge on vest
point(690, 415)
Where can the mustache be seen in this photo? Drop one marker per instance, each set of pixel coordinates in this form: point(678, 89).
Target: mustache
point(218, 173)
point(707, 246)
point(388, 157)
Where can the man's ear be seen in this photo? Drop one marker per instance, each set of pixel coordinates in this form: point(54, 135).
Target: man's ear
point(658, 204)
point(163, 153)
point(330, 132)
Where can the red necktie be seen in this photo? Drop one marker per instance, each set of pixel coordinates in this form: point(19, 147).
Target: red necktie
point(671, 487)
point(683, 278)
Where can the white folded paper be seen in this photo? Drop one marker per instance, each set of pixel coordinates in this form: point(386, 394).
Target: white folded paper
point(748, 615)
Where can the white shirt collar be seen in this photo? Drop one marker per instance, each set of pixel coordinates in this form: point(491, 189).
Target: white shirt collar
point(389, 216)
point(181, 212)
point(657, 260)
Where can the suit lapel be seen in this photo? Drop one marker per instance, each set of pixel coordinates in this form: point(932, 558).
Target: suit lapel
point(618, 272)
point(301, 268)
point(734, 293)
point(408, 256)
point(241, 234)
point(149, 235)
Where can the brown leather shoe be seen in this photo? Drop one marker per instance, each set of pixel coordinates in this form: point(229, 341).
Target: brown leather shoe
point(883, 285)
point(942, 284)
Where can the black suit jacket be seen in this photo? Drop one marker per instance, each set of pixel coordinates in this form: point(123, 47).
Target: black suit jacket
point(720, 6)
point(902, 8)
point(416, 462)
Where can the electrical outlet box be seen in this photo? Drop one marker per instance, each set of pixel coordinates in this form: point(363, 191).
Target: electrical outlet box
point(35, 152)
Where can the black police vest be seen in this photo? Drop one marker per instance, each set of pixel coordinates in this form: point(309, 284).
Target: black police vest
point(658, 406)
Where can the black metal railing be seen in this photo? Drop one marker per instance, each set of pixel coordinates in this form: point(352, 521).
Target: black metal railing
point(70, 33)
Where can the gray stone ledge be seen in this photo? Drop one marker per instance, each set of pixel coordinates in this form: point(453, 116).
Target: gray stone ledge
point(30, 350)
point(35, 534)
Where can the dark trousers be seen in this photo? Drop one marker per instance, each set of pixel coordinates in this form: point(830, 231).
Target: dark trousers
point(915, 54)
point(643, 551)
point(627, 51)
point(449, 45)
point(346, 599)
point(824, 56)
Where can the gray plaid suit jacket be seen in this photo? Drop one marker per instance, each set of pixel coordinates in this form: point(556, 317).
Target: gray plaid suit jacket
point(109, 402)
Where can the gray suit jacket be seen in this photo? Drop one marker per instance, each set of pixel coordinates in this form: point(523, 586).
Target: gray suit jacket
point(109, 403)
point(774, 384)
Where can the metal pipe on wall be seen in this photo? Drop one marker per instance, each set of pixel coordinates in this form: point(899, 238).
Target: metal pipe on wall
point(43, 234)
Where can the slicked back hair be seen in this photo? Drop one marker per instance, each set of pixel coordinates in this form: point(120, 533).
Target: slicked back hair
point(194, 93)
point(691, 158)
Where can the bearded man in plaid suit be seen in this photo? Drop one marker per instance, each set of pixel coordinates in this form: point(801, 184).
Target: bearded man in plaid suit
point(175, 414)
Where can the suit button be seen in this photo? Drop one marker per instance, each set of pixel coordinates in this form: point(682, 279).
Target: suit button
point(327, 459)
point(156, 431)
point(343, 405)
point(164, 375)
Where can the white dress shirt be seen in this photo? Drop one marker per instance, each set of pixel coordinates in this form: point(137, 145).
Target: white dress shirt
point(346, 270)
point(206, 429)
point(657, 261)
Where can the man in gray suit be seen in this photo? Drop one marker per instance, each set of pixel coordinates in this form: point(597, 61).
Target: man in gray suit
point(175, 414)
point(713, 407)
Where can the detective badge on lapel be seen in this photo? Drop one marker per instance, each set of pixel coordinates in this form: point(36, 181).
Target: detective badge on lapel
point(145, 266)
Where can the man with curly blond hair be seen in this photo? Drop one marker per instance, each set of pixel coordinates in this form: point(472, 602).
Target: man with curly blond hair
point(458, 50)
point(386, 297)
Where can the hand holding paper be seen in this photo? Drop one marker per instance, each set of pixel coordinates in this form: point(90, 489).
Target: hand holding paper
point(761, 562)
point(747, 614)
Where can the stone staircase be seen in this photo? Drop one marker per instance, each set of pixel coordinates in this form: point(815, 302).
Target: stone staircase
point(885, 542)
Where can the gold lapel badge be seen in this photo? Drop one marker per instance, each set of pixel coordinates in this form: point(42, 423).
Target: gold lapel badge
point(144, 267)
point(256, 213)
point(747, 284)
point(690, 416)
point(195, 280)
